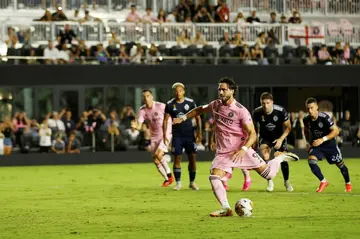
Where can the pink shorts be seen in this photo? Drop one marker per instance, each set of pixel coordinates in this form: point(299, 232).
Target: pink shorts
point(158, 143)
point(251, 160)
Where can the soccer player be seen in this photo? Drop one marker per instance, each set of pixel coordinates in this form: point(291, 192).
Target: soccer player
point(322, 133)
point(153, 112)
point(183, 134)
point(234, 134)
point(273, 126)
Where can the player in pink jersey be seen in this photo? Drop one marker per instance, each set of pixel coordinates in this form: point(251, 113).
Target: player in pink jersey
point(153, 112)
point(235, 135)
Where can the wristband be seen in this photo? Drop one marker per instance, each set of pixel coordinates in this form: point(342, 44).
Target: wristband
point(325, 138)
point(244, 148)
point(183, 117)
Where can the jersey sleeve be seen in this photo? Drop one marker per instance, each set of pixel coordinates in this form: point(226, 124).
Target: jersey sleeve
point(328, 122)
point(141, 117)
point(245, 116)
point(284, 115)
point(167, 109)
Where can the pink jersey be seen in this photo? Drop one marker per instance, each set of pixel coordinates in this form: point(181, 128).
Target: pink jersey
point(230, 120)
point(155, 117)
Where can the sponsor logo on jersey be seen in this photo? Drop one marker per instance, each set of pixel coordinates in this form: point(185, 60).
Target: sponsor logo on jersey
point(223, 119)
point(270, 126)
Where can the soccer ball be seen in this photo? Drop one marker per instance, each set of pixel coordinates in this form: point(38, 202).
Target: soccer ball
point(244, 207)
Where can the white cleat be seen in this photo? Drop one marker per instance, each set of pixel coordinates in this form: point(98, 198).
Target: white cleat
point(177, 187)
point(270, 186)
point(193, 186)
point(288, 156)
point(288, 186)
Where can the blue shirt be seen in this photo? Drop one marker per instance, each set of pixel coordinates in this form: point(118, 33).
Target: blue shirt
point(176, 110)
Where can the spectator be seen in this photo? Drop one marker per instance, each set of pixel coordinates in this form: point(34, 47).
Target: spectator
point(203, 4)
point(311, 59)
point(136, 53)
point(347, 53)
point(161, 18)
point(73, 146)
point(261, 40)
point(144, 143)
point(102, 55)
point(33, 133)
point(67, 35)
point(222, 13)
point(273, 18)
point(84, 51)
point(123, 57)
point(148, 17)
point(152, 55)
point(133, 136)
point(225, 40)
point(283, 19)
point(253, 18)
point(76, 17)
point(203, 16)
point(183, 39)
point(172, 16)
point(69, 123)
point(324, 56)
point(247, 56)
point(199, 39)
point(133, 16)
point(240, 18)
point(300, 139)
point(237, 41)
point(272, 40)
point(58, 145)
point(55, 122)
point(45, 137)
point(89, 18)
point(21, 124)
point(357, 57)
point(345, 125)
point(126, 116)
point(258, 53)
point(47, 17)
point(59, 15)
point(296, 18)
point(51, 53)
point(74, 53)
point(32, 61)
point(183, 10)
point(119, 142)
point(11, 39)
point(114, 119)
point(188, 19)
point(114, 41)
point(64, 54)
point(6, 129)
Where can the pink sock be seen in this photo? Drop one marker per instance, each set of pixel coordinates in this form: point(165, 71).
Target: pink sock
point(246, 175)
point(219, 190)
point(162, 171)
point(272, 168)
point(165, 165)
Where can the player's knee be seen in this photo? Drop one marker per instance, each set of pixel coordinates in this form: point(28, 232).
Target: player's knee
point(312, 161)
point(340, 165)
point(214, 177)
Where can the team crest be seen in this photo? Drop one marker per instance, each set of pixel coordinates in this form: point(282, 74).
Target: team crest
point(156, 113)
point(321, 125)
point(231, 114)
point(186, 107)
point(275, 118)
point(262, 118)
point(174, 107)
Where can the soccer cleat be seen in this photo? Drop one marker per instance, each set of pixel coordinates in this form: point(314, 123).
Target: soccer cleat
point(270, 186)
point(246, 185)
point(165, 183)
point(225, 212)
point(288, 186)
point(322, 186)
point(177, 187)
point(171, 180)
point(291, 156)
point(193, 186)
point(348, 187)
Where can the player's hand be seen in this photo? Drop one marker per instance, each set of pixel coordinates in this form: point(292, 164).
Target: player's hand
point(238, 155)
point(317, 142)
point(212, 146)
point(166, 141)
point(177, 120)
point(278, 143)
point(198, 138)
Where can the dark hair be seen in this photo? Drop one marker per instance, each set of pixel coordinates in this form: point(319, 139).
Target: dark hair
point(133, 5)
point(310, 101)
point(230, 82)
point(146, 90)
point(266, 96)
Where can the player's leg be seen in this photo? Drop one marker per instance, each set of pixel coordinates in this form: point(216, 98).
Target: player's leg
point(160, 155)
point(285, 169)
point(345, 173)
point(265, 151)
point(190, 149)
point(315, 154)
point(177, 147)
point(247, 180)
point(219, 191)
point(153, 149)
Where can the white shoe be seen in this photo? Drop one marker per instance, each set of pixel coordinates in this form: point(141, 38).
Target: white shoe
point(288, 186)
point(290, 157)
point(177, 187)
point(193, 186)
point(270, 186)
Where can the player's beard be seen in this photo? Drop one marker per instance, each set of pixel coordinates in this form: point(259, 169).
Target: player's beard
point(224, 99)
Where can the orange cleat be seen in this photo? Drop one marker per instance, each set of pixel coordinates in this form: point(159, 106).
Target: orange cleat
point(225, 212)
point(171, 180)
point(322, 186)
point(246, 185)
point(348, 188)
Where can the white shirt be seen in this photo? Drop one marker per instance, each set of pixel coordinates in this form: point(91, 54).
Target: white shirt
point(170, 18)
point(51, 54)
point(45, 137)
point(64, 55)
point(56, 124)
point(133, 134)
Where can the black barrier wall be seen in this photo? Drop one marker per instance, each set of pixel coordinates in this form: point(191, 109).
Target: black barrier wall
point(319, 75)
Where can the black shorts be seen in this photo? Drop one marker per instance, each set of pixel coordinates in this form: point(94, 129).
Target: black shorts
point(269, 142)
point(331, 152)
point(180, 143)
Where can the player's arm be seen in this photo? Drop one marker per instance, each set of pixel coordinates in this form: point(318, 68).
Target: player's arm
point(165, 125)
point(250, 129)
point(334, 131)
point(136, 124)
point(212, 138)
point(199, 129)
point(193, 113)
point(287, 130)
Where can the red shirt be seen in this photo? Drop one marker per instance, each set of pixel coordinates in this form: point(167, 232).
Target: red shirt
point(224, 13)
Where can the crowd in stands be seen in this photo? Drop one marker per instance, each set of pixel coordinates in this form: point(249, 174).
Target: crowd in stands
point(60, 132)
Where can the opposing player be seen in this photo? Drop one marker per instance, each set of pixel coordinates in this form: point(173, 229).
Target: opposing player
point(183, 134)
point(153, 112)
point(322, 144)
point(234, 134)
point(273, 126)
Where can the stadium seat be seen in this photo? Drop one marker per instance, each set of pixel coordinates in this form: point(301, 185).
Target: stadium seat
point(226, 51)
point(209, 52)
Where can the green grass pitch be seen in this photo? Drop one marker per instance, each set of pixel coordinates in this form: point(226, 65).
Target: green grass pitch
point(126, 201)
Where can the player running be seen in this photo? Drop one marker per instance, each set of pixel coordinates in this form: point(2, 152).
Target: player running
point(153, 112)
point(183, 134)
point(322, 133)
point(273, 126)
point(234, 135)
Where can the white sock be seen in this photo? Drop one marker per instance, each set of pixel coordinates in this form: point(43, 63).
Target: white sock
point(225, 204)
point(324, 180)
point(348, 183)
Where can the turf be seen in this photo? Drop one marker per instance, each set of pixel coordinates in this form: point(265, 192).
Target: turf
point(126, 201)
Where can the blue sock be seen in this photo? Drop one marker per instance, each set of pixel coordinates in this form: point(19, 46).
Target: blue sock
point(315, 169)
point(177, 174)
point(345, 172)
point(285, 170)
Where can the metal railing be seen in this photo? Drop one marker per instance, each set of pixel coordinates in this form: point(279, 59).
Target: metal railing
point(40, 32)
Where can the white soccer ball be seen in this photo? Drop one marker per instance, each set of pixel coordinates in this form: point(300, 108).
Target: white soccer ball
point(244, 207)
